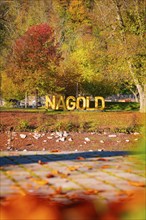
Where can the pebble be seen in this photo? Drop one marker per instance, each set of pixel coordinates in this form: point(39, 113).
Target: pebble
point(59, 134)
point(100, 149)
point(93, 133)
point(65, 134)
point(101, 141)
point(87, 139)
point(127, 140)
point(23, 136)
point(136, 133)
point(70, 139)
point(50, 138)
point(112, 135)
point(62, 139)
point(37, 136)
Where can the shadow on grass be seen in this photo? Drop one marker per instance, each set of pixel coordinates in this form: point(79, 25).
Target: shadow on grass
point(34, 157)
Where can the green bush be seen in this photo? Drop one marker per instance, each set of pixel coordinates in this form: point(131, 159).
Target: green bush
point(23, 125)
point(121, 106)
point(2, 127)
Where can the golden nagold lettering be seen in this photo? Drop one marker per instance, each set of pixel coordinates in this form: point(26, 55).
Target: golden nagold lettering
point(71, 103)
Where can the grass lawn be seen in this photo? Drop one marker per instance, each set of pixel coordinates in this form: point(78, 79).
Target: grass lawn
point(78, 121)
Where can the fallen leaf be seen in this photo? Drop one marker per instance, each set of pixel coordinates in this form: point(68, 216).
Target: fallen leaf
point(140, 184)
point(80, 158)
point(41, 162)
point(28, 177)
point(74, 196)
point(125, 193)
point(128, 171)
point(59, 190)
point(10, 172)
point(18, 189)
point(102, 159)
point(90, 167)
point(29, 186)
point(55, 172)
point(55, 150)
point(105, 167)
point(50, 175)
point(92, 191)
point(18, 204)
point(64, 175)
point(40, 181)
point(73, 168)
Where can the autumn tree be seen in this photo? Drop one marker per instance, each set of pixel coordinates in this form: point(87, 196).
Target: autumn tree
point(131, 18)
point(15, 19)
point(121, 23)
point(102, 45)
point(34, 60)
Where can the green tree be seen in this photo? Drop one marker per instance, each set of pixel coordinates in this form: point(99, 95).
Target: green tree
point(10, 90)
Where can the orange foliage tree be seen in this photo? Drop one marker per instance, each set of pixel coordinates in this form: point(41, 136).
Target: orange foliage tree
point(34, 60)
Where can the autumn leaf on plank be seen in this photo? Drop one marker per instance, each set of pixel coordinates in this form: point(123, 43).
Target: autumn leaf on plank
point(74, 196)
point(105, 167)
point(55, 151)
point(59, 190)
point(125, 193)
point(102, 159)
point(50, 175)
point(41, 162)
point(73, 168)
point(81, 158)
point(92, 191)
point(138, 184)
point(40, 181)
point(90, 167)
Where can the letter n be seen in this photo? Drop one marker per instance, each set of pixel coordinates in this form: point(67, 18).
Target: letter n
point(49, 103)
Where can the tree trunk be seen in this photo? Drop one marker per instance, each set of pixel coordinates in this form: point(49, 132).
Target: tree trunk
point(135, 95)
point(77, 89)
point(142, 97)
point(36, 98)
point(26, 99)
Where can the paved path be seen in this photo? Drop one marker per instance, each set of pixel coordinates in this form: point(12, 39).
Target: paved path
point(103, 174)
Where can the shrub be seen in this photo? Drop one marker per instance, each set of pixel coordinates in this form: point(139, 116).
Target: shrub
point(23, 125)
point(2, 127)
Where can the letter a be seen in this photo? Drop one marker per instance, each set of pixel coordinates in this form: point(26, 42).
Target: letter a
point(61, 104)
